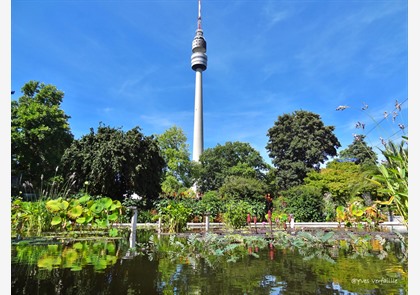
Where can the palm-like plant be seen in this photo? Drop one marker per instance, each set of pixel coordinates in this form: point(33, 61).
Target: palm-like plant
point(393, 177)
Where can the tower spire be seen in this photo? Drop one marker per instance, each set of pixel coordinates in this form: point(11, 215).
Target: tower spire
point(199, 15)
point(199, 45)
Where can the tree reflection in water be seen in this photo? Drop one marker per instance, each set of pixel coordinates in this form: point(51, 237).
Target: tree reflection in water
point(213, 264)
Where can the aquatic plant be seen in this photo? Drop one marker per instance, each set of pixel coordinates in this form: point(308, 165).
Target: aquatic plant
point(84, 213)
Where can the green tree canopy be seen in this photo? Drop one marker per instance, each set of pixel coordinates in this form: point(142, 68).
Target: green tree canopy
point(343, 180)
point(40, 132)
point(116, 163)
point(299, 143)
point(230, 159)
point(359, 152)
point(238, 187)
point(178, 175)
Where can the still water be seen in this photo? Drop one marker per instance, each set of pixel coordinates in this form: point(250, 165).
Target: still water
point(169, 265)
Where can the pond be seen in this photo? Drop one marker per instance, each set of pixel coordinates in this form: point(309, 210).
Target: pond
point(212, 264)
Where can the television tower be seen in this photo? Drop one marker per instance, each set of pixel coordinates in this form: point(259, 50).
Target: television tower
point(199, 65)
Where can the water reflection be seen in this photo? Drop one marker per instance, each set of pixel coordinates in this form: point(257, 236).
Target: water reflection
point(172, 265)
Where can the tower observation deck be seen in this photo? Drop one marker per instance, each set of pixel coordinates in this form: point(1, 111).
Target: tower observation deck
point(199, 46)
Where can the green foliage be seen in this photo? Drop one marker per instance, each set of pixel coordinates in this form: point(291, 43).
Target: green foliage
point(40, 132)
point(319, 239)
point(236, 213)
point(174, 215)
point(329, 207)
point(171, 185)
point(299, 143)
point(343, 180)
point(211, 204)
point(359, 152)
point(144, 212)
point(84, 213)
point(305, 203)
point(244, 188)
point(179, 172)
point(356, 212)
point(29, 218)
point(231, 159)
point(116, 163)
point(257, 207)
point(393, 177)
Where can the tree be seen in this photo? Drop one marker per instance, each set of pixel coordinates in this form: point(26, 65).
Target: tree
point(230, 159)
point(178, 176)
point(343, 181)
point(40, 132)
point(246, 188)
point(359, 152)
point(299, 143)
point(115, 163)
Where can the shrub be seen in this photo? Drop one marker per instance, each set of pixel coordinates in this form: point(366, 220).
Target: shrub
point(305, 203)
point(236, 213)
point(211, 203)
point(174, 215)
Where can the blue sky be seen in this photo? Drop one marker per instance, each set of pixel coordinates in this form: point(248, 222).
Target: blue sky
point(127, 63)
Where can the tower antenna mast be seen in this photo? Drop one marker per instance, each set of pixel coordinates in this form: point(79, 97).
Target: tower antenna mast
point(199, 15)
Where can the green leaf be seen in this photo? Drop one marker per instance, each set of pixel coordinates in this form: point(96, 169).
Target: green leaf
point(81, 220)
point(106, 202)
point(358, 212)
point(78, 246)
point(75, 212)
point(327, 236)
point(56, 220)
point(84, 199)
point(113, 232)
point(56, 205)
point(113, 216)
point(97, 208)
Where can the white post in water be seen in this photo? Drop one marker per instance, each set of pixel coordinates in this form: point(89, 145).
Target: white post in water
point(159, 225)
point(133, 227)
point(206, 218)
point(292, 221)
